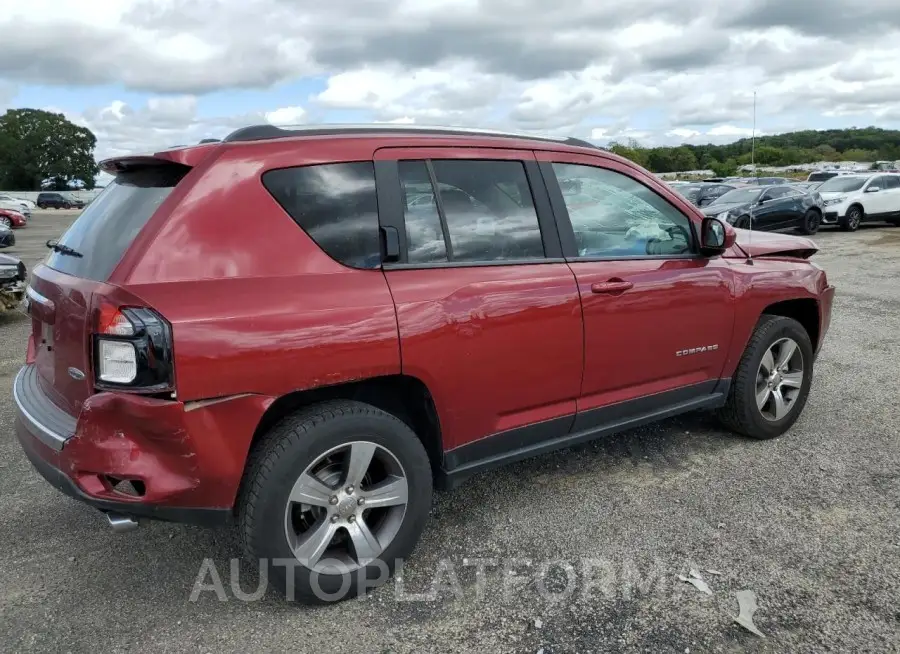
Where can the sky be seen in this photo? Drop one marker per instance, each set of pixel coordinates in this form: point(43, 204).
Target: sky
point(150, 74)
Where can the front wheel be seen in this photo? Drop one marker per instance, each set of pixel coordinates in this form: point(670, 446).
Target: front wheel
point(5, 221)
point(811, 222)
point(743, 222)
point(335, 495)
point(851, 222)
point(772, 381)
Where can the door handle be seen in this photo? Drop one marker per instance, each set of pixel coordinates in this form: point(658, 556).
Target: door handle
point(611, 287)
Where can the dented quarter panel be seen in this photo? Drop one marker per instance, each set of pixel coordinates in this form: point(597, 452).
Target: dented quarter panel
point(186, 458)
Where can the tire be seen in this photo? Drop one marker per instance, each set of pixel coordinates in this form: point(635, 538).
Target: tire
point(42, 206)
point(6, 222)
point(852, 219)
point(67, 206)
point(741, 412)
point(743, 222)
point(811, 222)
point(288, 453)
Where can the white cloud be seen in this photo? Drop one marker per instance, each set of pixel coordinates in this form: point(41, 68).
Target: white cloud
point(659, 71)
point(286, 116)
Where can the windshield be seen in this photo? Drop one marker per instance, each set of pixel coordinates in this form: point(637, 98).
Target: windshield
point(820, 177)
point(109, 224)
point(842, 184)
point(690, 191)
point(738, 196)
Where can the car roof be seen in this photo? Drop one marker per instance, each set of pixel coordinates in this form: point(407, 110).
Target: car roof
point(257, 134)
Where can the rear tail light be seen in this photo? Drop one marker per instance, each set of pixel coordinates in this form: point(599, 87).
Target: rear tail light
point(132, 350)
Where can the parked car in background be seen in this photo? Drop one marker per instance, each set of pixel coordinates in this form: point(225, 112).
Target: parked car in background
point(182, 371)
point(824, 175)
point(28, 205)
point(808, 186)
point(17, 207)
point(851, 200)
point(12, 282)
point(771, 207)
point(7, 238)
point(54, 200)
point(702, 194)
point(768, 181)
point(10, 218)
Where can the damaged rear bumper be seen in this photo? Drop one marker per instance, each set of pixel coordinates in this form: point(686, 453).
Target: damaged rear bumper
point(181, 466)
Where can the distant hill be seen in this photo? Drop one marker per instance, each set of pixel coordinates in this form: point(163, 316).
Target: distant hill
point(809, 146)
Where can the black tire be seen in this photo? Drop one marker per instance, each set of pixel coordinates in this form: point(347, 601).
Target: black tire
point(740, 413)
point(811, 222)
point(42, 206)
point(284, 453)
point(67, 206)
point(6, 222)
point(743, 222)
point(851, 221)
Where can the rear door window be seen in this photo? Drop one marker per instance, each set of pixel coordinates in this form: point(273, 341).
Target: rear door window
point(336, 205)
point(488, 210)
point(110, 223)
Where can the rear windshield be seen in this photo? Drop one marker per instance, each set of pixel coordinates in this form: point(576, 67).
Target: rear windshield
point(109, 224)
point(820, 177)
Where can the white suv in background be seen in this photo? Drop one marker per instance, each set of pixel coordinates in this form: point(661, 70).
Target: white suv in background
point(853, 199)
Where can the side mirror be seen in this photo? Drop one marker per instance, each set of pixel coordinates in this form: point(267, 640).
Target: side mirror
point(873, 189)
point(716, 236)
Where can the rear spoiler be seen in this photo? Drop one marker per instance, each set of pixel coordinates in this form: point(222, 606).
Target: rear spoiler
point(188, 156)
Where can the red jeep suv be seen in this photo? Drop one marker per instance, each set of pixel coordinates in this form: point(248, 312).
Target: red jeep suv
point(303, 331)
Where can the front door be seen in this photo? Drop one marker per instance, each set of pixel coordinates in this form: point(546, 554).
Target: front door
point(658, 316)
point(488, 311)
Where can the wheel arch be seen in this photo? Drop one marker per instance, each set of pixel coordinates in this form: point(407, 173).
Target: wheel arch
point(803, 310)
point(403, 396)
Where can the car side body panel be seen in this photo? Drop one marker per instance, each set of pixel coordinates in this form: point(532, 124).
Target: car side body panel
point(255, 305)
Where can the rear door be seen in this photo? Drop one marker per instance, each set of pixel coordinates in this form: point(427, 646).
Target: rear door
point(658, 316)
point(488, 311)
point(892, 195)
point(64, 289)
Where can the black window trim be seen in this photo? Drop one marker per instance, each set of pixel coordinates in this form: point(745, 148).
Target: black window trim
point(391, 212)
point(567, 232)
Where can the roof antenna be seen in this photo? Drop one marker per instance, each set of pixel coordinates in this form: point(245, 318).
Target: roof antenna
point(753, 165)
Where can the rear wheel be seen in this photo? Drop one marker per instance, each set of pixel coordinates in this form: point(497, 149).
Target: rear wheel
point(851, 221)
point(771, 384)
point(743, 222)
point(335, 495)
point(42, 206)
point(811, 222)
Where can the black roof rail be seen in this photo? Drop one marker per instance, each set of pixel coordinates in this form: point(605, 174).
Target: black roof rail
point(266, 132)
point(202, 141)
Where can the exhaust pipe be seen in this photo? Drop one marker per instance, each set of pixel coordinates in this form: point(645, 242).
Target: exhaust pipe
point(121, 523)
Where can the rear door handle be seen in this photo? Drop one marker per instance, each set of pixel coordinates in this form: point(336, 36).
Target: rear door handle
point(612, 286)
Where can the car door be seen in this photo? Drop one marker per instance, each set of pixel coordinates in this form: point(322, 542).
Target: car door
point(489, 313)
point(658, 316)
point(876, 200)
point(892, 195)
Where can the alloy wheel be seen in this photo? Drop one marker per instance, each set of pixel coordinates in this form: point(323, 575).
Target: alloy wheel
point(779, 379)
point(346, 507)
point(854, 218)
point(6, 222)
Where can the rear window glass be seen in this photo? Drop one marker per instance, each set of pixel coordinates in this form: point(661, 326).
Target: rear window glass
point(110, 223)
point(336, 205)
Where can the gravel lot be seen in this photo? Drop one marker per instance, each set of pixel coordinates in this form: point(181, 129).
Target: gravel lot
point(809, 522)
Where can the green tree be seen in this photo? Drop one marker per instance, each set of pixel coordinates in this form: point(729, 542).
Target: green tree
point(38, 145)
point(683, 159)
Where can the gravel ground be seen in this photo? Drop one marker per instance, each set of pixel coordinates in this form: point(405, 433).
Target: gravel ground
point(809, 522)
